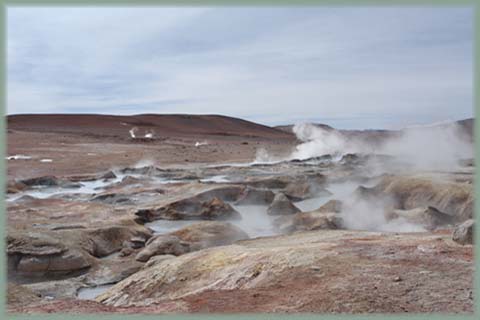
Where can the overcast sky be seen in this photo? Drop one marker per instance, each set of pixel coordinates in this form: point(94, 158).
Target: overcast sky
point(357, 67)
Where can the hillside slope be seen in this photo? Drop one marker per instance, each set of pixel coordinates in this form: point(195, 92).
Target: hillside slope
point(160, 125)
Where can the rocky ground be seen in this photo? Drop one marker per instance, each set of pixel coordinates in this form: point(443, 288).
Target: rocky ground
point(188, 223)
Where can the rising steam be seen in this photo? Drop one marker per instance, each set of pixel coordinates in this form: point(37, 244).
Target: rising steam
point(361, 214)
point(424, 147)
point(202, 143)
point(319, 141)
point(149, 134)
point(132, 132)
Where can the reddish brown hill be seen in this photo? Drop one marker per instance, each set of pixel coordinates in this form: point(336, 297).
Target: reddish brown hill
point(161, 125)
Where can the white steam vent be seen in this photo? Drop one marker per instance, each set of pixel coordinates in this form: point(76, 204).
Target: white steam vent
point(198, 144)
point(431, 146)
point(18, 157)
point(132, 132)
point(318, 141)
point(149, 134)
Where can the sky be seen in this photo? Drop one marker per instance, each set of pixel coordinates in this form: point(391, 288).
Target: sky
point(349, 67)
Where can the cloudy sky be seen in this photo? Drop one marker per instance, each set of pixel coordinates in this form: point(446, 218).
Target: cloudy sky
point(357, 67)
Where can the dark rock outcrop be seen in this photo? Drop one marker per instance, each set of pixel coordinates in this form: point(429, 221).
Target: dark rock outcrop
point(16, 186)
point(410, 192)
point(428, 217)
point(302, 190)
point(228, 193)
point(194, 237)
point(281, 205)
point(190, 209)
point(315, 220)
point(161, 245)
point(50, 181)
point(252, 196)
point(331, 206)
point(463, 233)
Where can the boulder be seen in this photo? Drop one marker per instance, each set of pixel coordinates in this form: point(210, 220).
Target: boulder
point(269, 183)
point(16, 186)
point(428, 217)
point(210, 233)
point(33, 243)
point(111, 269)
point(33, 264)
point(410, 192)
point(188, 176)
point(229, 193)
point(298, 191)
point(162, 245)
point(137, 242)
point(316, 220)
point(331, 206)
point(191, 238)
point(351, 159)
point(103, 241)
point(308, 221)
point(127, 249)
point(281, 205)
point(217, 209)
point(108, 176)
point(191, 209)
point(252, 196)
point(92, 177)
point(50, 181)
point(463, 233)
point(114, 198)
point(68, 261)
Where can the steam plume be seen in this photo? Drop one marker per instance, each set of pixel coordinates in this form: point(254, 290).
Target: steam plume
point(425, 147)
point(132, 132)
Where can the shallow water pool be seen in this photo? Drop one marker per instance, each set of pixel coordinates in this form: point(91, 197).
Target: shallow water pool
point(92, 293)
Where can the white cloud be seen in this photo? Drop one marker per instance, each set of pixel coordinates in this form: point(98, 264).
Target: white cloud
point(395, 65)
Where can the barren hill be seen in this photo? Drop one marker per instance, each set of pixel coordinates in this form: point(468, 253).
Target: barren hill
point(161, 125)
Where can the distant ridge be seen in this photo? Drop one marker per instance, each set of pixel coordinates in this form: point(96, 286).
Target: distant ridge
point(289, 127)
point(160, 124)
